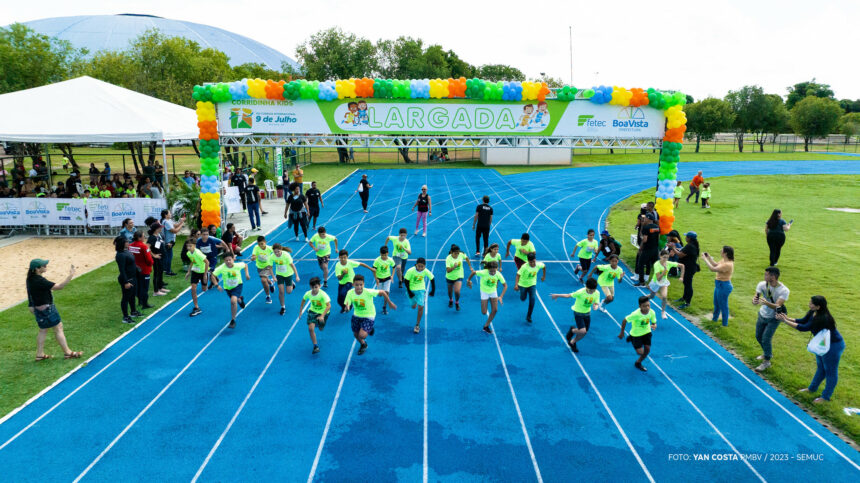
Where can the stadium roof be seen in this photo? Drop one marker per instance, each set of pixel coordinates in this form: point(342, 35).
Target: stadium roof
point(114, 32)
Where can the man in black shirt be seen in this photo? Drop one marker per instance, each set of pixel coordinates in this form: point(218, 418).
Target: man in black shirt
point(649, 249)
point(252, 196)
point(481, 224)
point(237, 179)
point(315, 202)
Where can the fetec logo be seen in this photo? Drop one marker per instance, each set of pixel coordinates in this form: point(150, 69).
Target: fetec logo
point(588, 120)
point(123, 209)
point(630, 117)
point(36, 208)
point(241, 118)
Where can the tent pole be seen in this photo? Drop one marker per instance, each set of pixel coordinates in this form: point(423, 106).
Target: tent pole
point(48, 155)
point(166, 179)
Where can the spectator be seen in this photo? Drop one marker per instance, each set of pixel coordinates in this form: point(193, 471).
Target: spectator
point(171, 228)
point(156, 246)
point(298, 176)
point(233, 239)
point(723, 282)
point(688, 256)
point(60, 190)
point(694, 186)
point(41, 304)
point(127, 231)
point(771, 295)
point(105, 178)
point(817, 319)
point(774, 230)
point(285, 184)
point(608, 245)
point(649, 249)
point(240, 181)
point(188, 179)
point(252, 196)
point(94, 174)
point(127, 279)
point(143, 261)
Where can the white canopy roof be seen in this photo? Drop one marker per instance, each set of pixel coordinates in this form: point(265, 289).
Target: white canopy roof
point(87, 110)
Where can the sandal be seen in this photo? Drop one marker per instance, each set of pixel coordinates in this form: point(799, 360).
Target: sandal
point(74, 355)
point(43, 357)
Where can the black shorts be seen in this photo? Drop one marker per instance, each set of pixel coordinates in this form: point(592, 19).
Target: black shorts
point(582, 321)
point(640, 341)
point(313, 211)
point(198, 277)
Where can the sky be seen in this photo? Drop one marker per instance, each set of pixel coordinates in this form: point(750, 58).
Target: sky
point(701, 48)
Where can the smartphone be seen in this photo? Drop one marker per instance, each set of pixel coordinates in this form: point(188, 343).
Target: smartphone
point(790, 222)
point(706, 254)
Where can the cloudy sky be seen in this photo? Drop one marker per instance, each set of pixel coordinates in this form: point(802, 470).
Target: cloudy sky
point(701, 48)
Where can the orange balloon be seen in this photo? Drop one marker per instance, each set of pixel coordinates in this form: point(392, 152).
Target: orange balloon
point(640, 97)
point(364, 87)
point(544, 90)
point(456, 87)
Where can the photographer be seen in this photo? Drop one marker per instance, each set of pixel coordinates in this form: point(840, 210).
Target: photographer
point(771, 295)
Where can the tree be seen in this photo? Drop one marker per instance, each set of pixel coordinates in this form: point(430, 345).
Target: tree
point(850, 106)
point(29, 59)
point(708, 117)
point(251, 70)
point(500, 72)
point(773, 120)
point(814, 117)
point(690, 99)
point(459, 68)
point(799, 91)
point(550, 81)
point(750, 106)
point(849, 125)
point(335, 54)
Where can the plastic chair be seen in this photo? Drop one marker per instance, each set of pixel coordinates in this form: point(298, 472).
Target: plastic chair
point(270, 189)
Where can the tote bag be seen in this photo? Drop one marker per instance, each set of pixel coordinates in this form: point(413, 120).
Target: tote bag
point(820, 344)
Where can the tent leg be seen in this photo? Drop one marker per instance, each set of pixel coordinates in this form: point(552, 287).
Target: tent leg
point(48, 156)
point(164, 169)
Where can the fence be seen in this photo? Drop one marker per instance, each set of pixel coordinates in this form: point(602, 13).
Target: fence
point(75, 216)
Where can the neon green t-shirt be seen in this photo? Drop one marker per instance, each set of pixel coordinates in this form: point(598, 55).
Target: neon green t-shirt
point(528, 274)
point(198, 261)
point(322, 245)
point(232, 277)
point(264, 256)
point(416, 278)
point(400, 247)
point(318, 301)
point(608, 275)
point(679, 191)
point(105, 194)
point(349, 269)
point(640, 324)
point(283, 264)
point(490, 258)
point(490, 282)
point(456, 264)
point(522, 250)
point(706, 193)
point(587, 249)
point(383, 267)
point(362, 305)
point(659, 268)
point(584, 300)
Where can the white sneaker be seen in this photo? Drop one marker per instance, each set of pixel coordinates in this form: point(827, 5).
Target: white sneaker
point(297, 238)
point(760, 358)
point(416, 232)
point(764, 365)
point(665, 316)
point(424, 234)
point(306, 239)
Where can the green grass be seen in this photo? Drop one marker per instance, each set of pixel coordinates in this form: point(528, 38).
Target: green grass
point(820, 257)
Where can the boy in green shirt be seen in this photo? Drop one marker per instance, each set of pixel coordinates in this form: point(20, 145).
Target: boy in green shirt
point(319, 243)
point(402, 250)
point(415, 287)
point(198, 271)
point(383, 268)
point(454, 274)
point(344, 270)
point(678, 193)
point(360, 299)
point(706, 195)
point(606, 279)
point(318, 310)
point(262, 255)
point(490, 280)
point(231, 277)
point(286, 274)
point(584, 300)
point(642, 322)
point(526, 282)
point(588, 249)
point(523, 247)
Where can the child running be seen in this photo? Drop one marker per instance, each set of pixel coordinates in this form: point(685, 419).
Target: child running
point(198, 271)
point(360, 300)
point(490, 279)
point(642, 321)
point(262, 255)
point(492, 255)
point(416, 287)
point(706, 195)
point(231, 277)
point(454, 274)
point(526, 282)
point(344, 270)
point(523, 247)
point(588, 249)
point(383, 266)
point(606, 279)
point(402, 250)
point(678, 193)
point(584, 300)
point(320, 244)
point(660, 278)
point(286, 274)
point(320, 307)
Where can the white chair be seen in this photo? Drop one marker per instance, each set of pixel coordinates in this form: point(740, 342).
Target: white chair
point(633, 240)
point(270, 189)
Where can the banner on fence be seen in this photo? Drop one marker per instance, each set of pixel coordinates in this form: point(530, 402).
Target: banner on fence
point(74, 212)
point(10, 212)
point(138, 209)
point(98, 211)
point(232, 200)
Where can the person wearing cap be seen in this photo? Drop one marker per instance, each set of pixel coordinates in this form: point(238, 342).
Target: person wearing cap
point(41, 303)
point(608, 246)
point(688, 256)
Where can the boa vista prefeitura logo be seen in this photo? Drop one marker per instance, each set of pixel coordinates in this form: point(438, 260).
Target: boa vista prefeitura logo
point(9, 209)
point(36, 208)
point(241, 118)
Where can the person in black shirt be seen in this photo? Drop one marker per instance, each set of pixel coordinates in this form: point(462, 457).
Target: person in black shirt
point(364, 191)
point(127, 279)
point(649, 250)
point(481, 224)
point(252, 196)
point(608, 246)
point(688, 256)
point(315, 202)
point(237, 179)
point(425, 209)
point(296, 210)
point(41, 303)
point(156, 246)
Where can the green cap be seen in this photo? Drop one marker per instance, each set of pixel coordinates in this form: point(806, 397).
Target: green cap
point(37, 263)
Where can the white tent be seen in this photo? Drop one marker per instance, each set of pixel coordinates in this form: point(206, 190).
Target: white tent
point(87, 110)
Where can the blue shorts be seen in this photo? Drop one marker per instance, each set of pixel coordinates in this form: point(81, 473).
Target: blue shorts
point(362, 323)
point(235, 291)
point(286, 281)
point(418, 297)
point(582, 321)
point(452, 282)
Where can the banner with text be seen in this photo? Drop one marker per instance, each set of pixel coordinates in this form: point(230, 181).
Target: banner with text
point(11, 212)
point(439, 116)
point(138, 209)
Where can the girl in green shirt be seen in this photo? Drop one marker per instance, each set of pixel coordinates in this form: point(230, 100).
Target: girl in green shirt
point(490, 280)
point(642, 321)
point(492, 255)
point(454, 273)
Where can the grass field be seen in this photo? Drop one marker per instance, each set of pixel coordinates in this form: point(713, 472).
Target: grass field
point(820, 257)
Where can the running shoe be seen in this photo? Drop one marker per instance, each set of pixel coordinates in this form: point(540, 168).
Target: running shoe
point(268, 299)
point(760, 358)
point(316, 349)
point(477, 254)
point(763, 366)
point(665, 316)
point(416, 232)
point(384, 311)
point(325, 284)
point(306, 240)
point(578, 269)
point(677, 301)
point(603, 309)
point(573, 347)
point(488, 330)
point(170, 274)
point(529, 320)
point(195, 311)
point(424, 234)
point(569, 335)
point(232, 324)
point(147, 306)
point(297, 238)
point(457, 305)
point(165, 290)
point(242, 302)
point(283, 310)
point(136, 313)
point(417, 329)
point(372, 331)
point(363, 346)
point(127, 320)
point(450, 303)
point(639, 366)
point(683, 306)
point(158, 294)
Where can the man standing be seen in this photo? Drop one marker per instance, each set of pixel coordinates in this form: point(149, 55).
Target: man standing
point(694, 186)
point(649, 249)
point(364, 191)
point(481, 224)
point(771, 295)
point(315, 202)
point(252, 195)
point(298, 176)
point(238, 180)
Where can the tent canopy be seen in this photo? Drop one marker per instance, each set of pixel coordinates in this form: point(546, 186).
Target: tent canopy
point(87, 110)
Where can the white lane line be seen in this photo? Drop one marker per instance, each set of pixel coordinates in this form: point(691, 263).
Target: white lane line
point(425, 465)
point(156, 398)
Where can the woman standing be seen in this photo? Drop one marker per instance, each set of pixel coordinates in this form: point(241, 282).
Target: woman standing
point(94, 174)
point(425, 209)
point(127, 279)
point(775, 229)
point(156, 246)
point(171, 228)
point(364, 191)
point(817, 319)
point(687, 256)
point(41, 302)
point(297, 212)
point(723, 282)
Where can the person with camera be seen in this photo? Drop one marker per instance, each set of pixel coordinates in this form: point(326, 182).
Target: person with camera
point(687, 256)
point(771, 295)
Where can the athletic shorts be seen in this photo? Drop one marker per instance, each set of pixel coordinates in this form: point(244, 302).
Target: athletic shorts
point(235, 291)
point(418, 297)
point(582, 321)
point(312, 318)
point(313, 211)
point(655, 286)
point(362, 323)
point(265, 271)
point(286, 281)
point(323, 260)
point(519, 262)
point(640, 341)
point(451, 282)
point(384, 284)
point(401, 262)
point(487, 296)
point(197, 277)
